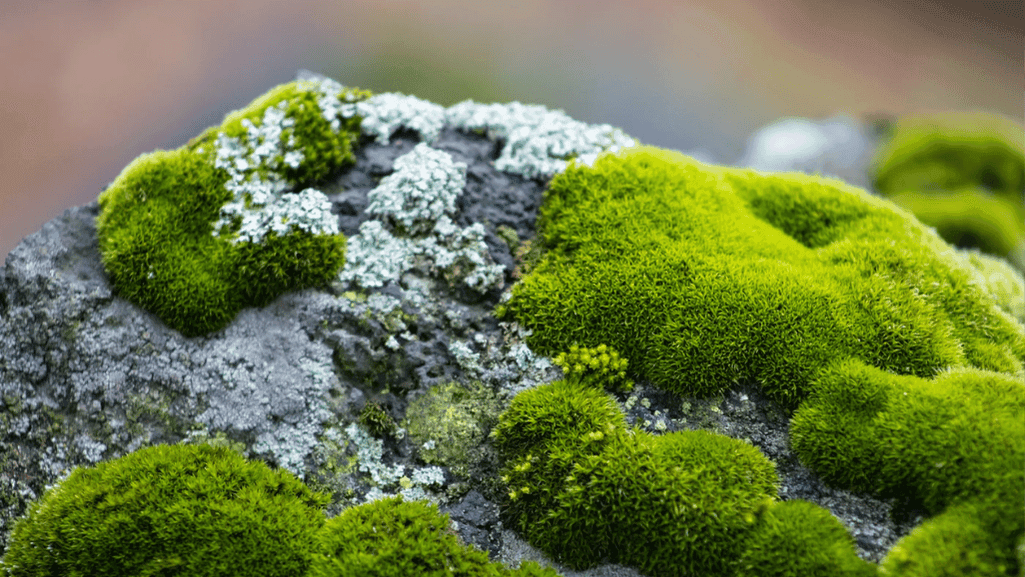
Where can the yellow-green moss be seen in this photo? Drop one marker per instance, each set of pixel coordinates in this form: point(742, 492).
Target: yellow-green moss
point(450, 423)
point(157, 218)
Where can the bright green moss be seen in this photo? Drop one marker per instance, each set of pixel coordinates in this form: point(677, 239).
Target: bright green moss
point(600, 367)
point(939, 440)
point(800, 539)
point(450, 423)
point(156, 227)
point(703, 276)
point(962, 173)
point(393, 538)
point(586, 489)
point(162, 510)
point(953, 150)
point(977, 537)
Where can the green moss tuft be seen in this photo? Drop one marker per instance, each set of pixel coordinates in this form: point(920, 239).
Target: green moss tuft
point(156, 226)
point(392, 537)
point(600, 367)
point(377, 421)
point(800, 539)
point(586, 489)
point(180, 509)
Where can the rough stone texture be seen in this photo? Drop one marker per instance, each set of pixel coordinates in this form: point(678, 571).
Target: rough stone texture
point(87, 376)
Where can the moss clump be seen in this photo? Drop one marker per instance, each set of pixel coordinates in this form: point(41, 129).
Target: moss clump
point(705, 276)
point(450, 423)
point(391, 537)
point(180, 509)
point(585, 489)
point(377, 421)
point(600, 367)
point(962, 173)
point(800, 539)
point(953, 444)
point(180, 232)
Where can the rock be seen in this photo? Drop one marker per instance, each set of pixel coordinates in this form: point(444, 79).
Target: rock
point(86, 375)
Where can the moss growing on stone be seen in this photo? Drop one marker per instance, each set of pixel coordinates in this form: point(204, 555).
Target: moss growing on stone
point(586, 489)
point(600, 367)
point(180, 509)
point(395, 538)
point(800, 539)
point(450, 422)
point(704, 276)
point(377, 421)
point(196, 234)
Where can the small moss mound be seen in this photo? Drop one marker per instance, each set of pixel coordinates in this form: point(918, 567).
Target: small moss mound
point(196, 234)
point(601, 367)
point(395, 538)
point(170, 510)
point(377, 421)
point(800, 539)
point(587, 490)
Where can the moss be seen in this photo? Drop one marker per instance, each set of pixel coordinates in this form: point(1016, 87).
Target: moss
point(165, 244)
point(963, 173)
point(600, 366)
point(188, 509)
point(377, 421)
point(800, 539)
point(392, 537)
point(705, 276)
point(450, 423)
point(586, 489)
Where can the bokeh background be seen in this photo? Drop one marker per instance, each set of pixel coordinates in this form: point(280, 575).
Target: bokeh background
point(86, 86)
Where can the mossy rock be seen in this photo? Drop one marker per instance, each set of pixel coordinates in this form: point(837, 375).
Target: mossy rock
point(704, 276)
point(180, 232)
point(450, 423)
point(395, 538)
point(162, 510)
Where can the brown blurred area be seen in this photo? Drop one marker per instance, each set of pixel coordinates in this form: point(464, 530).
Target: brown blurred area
point(89, 85)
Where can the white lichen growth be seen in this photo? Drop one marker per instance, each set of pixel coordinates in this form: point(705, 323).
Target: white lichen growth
point(418, 202)
point(538, 142)
point(261, 202)
point(384, 114)
point(423, 188)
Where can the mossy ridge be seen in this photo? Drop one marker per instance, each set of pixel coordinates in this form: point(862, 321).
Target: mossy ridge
point(953, 444)
point(703, 276)
point(962, 173)
point(194, 509)
point(157, 219)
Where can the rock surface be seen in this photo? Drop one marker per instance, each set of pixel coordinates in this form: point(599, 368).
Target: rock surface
point(87, 376)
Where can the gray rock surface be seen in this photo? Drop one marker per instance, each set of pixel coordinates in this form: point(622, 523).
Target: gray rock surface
point(86, 376)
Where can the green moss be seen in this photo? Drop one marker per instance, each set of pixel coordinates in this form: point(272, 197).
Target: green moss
point(156, 224)
point(962, 173)
point(377, 421)
point(704, 276)
point(450, 423)
point(586, 489)
point(600, 367)
point(800, 539)
point(184, 509)
point(391, 537)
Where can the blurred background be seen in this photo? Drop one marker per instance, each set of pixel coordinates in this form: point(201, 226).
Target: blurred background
point(89, 85)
